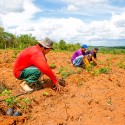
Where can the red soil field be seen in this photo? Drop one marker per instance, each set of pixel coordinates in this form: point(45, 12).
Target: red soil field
point(92, 97)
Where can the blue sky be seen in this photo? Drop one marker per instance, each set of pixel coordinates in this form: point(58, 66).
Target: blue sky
point(94, 22)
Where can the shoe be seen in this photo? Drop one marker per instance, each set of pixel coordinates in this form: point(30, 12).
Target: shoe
point(26, 87)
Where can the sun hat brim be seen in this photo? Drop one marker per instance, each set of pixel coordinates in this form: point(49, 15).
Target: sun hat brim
point(42, 42)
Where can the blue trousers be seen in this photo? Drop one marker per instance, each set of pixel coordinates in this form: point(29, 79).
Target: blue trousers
point(78, 60)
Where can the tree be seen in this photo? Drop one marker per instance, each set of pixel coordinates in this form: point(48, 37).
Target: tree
point(62, 45)
point(2, 41)
point(9, 40)
point(25, 40)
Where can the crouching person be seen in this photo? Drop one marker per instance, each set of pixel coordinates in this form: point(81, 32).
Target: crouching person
point(92, 55)
point(31, 64)
point(78, 56)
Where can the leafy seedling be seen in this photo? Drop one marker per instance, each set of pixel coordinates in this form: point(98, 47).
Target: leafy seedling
point(104, 70)
point(52, 66)
point(13, 101)
point(109, 101)
point(62, 82)
point(45, 94)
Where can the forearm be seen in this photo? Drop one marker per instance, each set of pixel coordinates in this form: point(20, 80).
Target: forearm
point(95, 61)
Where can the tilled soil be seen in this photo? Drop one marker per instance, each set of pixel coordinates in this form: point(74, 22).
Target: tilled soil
point(95, 97)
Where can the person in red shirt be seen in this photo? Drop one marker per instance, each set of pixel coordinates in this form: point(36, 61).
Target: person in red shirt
point(31, 64)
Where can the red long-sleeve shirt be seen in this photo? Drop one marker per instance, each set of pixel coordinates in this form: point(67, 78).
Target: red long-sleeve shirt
point(33, 56)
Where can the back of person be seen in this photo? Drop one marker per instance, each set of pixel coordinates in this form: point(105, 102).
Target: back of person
point(90, 53)
point(31, 64)
point(25, 59)
point(78, 55)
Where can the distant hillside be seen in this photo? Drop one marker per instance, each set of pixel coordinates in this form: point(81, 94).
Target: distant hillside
point(113, 47)
point(111, 50)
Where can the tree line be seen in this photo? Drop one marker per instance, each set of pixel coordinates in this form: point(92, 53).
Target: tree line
point(9, 40)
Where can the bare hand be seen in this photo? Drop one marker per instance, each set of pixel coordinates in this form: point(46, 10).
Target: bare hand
point(57, 87)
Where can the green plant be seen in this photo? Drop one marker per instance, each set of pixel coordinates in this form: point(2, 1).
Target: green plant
point(52, 66)
point(5, 92)
point(45, 93)
point(104, 70)
point(79, 71)
point(29, 117)
point(100, 62)
point(109, 59)
point(109, 101)
point(15, 53)
point(3, 86)
point(62, 69)
point(65, 72)
point(95, 72)
point(13, 101)
point(121, 64)
point(26, 102)
point(10, 100)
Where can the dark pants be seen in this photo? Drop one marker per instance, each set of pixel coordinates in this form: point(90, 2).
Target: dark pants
point(30, 74)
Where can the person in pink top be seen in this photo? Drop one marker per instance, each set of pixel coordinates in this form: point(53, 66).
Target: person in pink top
point(31, 64)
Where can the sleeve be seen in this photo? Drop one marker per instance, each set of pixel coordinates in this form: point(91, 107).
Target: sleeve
point(92, 53)
point(39, 61)
point(95, 56)
point(87, 53)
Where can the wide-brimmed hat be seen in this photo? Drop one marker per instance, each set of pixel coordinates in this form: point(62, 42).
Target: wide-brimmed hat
point(47, 43)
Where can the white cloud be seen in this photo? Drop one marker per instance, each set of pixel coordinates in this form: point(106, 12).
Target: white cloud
point(75, 30)
point(60, 28)
point(91, 7)
point(72, 8)
point(12, 19)
point(86, 2)
point(11, 6)
point(70, 29)
point(81, 5)
point(119, 20)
